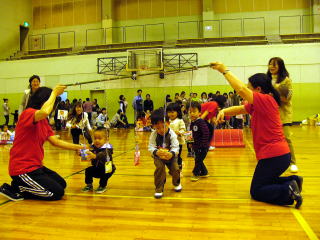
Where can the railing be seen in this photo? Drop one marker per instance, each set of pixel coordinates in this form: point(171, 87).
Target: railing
point(299, 24)
point(222, 28)
point(233, 27)
point(52, 40)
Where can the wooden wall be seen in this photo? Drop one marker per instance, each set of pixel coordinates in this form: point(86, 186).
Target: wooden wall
point(229, 6)
point(141, 9)
point(58, 13)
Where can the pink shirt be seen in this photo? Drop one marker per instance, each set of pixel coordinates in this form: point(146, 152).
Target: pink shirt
point(87, 106)
point(268, 137)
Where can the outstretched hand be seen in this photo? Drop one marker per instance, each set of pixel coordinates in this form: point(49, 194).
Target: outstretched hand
point(59, 89)
point(220, 117)
point(218, 66)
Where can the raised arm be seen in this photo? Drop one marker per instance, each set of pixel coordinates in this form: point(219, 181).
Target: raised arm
point(47, 107)
point(234, 81)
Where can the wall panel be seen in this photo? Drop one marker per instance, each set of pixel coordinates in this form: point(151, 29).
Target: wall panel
point(158, 8)
point(145, 7)
point(171, 8)
point(132, 9)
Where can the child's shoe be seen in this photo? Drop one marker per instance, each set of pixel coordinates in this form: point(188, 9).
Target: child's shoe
point(194, 178)
point(158, 195)
point(178, 188)
point(87, 188)
point(101, 189)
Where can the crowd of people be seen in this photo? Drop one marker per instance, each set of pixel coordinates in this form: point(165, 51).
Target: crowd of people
point(267, 99)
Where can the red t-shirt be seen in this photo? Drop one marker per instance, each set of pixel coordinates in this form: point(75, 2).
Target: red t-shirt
point(27, 153)
point(268, 137)
point(211, 107)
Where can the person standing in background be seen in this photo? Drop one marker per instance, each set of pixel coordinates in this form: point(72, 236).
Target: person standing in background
point(137, 104)
point(148, 104)
point(283, 84)
point(6, 110)
point(34, 84)
point(87, 107)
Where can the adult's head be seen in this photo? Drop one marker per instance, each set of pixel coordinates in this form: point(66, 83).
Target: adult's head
point(34, 83)
point(230, 94)
point(139, 92)
point(182, 94)
point(217, 93)
point(276, 67)
point(148, 96)
point(260, 82)
point(204, 95)
point(5, 100)
point(39, 97)
point(121, 97)
point(220, 99)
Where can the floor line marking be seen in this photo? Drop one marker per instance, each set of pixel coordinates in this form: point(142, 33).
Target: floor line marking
point(164, 198)
point(304, 224)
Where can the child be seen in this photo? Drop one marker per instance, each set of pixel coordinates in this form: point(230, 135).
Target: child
point(101, 160)
point(178, 126)
point(102, 118)
point(186, 120)
point(15, 118)
point(5, 134)
point(201, 138)
point(164, 147)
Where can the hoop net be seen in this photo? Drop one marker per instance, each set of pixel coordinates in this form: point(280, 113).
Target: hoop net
point(144, 60)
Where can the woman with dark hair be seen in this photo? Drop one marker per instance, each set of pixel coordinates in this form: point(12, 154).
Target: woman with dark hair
point(78, 122)
point(204, 97)
point(281, 81)
point(34, 84)
point(270, 145)
point(30, 179)
point(148, 104)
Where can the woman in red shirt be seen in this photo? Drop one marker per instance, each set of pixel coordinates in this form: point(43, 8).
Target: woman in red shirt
point(30, 178)
point(270, 145)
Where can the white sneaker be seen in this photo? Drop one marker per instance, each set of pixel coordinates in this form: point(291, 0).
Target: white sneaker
point(212, 148)
point(293, 168)
point(178, 188)
point(158, 195)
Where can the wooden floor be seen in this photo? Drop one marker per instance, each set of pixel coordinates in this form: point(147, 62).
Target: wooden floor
point(218, 207)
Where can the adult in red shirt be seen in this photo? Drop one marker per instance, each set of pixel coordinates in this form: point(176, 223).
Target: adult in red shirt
point(30, 179)
point(270, 145)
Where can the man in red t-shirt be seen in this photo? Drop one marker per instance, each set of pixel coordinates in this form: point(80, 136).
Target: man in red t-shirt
point(30, 179)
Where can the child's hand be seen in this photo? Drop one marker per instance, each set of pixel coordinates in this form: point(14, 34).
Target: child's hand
point(90, 155)
point(164, 154)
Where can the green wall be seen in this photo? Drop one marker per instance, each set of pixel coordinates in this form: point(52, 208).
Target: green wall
point(244, 61)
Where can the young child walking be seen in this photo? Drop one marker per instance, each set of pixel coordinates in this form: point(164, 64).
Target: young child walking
point(177, 125)
point(201, 138)
point(101, 160)
point(164, 147)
